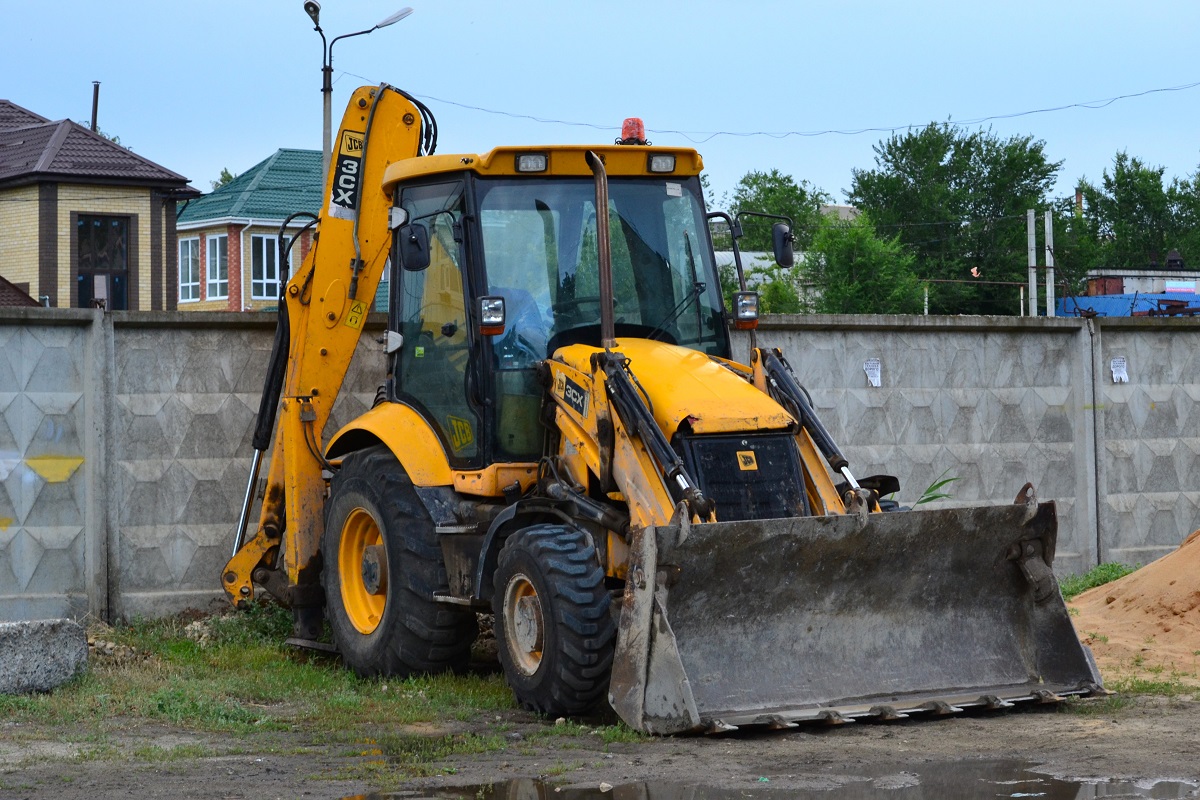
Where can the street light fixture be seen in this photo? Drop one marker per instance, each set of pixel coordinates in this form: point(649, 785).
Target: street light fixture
point(313, 9)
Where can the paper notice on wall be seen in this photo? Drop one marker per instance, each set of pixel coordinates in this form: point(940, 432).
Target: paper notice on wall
point(872, 368)
point(1120, 372)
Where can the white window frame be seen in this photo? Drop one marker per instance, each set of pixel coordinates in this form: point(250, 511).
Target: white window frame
point(262, 285)
point(189, 269)
point(217, 261)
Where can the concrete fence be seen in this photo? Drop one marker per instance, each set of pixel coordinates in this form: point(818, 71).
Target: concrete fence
point(125, 437)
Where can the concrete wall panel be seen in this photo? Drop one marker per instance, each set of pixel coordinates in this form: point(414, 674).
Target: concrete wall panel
point(45, 468)
point(990, 402)
point(1148, 432)
point(125, 438)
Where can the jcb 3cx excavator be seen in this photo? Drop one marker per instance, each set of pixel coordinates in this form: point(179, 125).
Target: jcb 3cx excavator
point(565, 438)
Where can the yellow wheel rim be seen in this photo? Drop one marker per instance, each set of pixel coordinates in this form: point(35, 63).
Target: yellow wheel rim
point(524, 626)
point(363, 607)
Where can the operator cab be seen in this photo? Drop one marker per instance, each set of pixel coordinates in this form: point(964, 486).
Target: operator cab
point(500, 268)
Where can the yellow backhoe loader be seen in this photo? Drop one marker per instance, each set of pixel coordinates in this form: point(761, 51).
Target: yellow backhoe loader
point(565, 438)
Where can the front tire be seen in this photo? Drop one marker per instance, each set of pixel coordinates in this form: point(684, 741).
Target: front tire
point(382, 565)
point(554, 633)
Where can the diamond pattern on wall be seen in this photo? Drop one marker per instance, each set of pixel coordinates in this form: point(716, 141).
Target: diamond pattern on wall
point(183, 455)
point(43, 471)
point(1149, 435)
point(992, 409)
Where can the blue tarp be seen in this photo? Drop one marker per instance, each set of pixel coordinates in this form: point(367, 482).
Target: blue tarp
point(1120, 305)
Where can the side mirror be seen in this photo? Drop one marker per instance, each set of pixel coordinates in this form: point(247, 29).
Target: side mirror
point(782, 238)
point(413, 244)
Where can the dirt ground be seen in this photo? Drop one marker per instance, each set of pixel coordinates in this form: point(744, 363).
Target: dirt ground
point(1143, 626)
point(1147, 738)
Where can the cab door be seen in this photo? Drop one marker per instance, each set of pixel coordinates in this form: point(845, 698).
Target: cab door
point(432, 369)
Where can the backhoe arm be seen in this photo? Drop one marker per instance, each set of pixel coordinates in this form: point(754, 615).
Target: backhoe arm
point(327, 302)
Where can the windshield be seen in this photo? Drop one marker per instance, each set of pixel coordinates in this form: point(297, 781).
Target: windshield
point(539, 251)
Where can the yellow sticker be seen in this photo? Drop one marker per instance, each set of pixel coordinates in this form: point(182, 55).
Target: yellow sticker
point(351, 144)
point(356, 315)
point(462, 435)
point(746, 460)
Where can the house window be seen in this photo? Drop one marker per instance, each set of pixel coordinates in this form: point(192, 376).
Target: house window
point(218, 267)
point(189, 270)
point(264, 270)
point(103, 265)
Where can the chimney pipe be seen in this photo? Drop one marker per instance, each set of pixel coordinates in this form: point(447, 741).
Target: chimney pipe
point(95, 102)
point(1079, 202)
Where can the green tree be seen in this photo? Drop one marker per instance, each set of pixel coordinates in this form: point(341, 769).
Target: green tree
point(1184, 195)
point(1131, 213)
point(957, 200)
point(226, 177)
point(775, 193)
point(855, 271)
point(1077, 248)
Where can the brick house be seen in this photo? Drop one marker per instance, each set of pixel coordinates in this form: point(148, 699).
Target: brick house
point(229, 239)
point(84, 221)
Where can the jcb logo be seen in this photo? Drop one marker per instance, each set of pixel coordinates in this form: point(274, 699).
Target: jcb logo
point(746, 460)
point(462, 435)
point(347, 175)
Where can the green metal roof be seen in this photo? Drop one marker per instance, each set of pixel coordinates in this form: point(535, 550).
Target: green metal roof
point(287, 182)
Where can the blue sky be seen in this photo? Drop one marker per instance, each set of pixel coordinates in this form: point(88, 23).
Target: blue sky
point(198, 86)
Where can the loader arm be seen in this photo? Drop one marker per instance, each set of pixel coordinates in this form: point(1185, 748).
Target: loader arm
point(327, 302)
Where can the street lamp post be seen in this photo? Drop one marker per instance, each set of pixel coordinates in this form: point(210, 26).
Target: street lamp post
point(313, 9)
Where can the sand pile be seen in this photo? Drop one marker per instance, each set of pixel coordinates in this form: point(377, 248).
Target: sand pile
point(1147, 624)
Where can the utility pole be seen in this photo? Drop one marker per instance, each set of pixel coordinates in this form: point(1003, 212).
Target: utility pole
point(1049, 263)
point(1032, 238)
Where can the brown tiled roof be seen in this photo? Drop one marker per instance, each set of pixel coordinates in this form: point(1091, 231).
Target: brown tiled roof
point(65, 151)
point(11, 295)
point(13, 116)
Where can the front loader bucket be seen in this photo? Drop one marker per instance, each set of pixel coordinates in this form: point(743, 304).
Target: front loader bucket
point(771, 622)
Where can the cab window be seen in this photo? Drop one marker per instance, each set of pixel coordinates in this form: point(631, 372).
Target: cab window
point(432, 369)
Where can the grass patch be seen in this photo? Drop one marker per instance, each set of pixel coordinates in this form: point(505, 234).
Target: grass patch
point(415, 755)
point(233, 674)
point(1162, 686)
point(156, 753)
point(389, 760)
point(1097, 576)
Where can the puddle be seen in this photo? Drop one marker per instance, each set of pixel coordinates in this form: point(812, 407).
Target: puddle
point(974, 779)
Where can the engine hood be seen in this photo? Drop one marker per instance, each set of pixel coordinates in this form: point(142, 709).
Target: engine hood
point(685, 385)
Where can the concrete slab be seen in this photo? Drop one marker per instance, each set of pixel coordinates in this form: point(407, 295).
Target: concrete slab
point(40, 656)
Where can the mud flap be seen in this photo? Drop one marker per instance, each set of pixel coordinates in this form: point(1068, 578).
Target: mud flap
point(772, 622)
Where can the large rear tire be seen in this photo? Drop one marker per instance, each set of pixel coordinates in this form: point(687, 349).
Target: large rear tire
point(382, 565)
point(554, 633)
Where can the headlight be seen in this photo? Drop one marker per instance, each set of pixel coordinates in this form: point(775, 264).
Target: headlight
point(491, 315)
point(745, 310)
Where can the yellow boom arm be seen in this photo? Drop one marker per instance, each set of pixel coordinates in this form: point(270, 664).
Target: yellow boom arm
point(327, 304)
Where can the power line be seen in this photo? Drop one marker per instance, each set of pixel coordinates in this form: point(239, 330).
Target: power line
point(705, 136)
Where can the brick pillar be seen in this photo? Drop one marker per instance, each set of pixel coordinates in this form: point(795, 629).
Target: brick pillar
point(236, 300)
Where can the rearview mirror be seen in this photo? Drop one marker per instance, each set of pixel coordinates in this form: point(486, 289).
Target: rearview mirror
point(413, 243)
point(781, 234)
